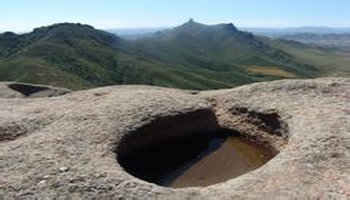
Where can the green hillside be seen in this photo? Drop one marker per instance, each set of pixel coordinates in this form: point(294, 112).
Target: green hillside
point(220, 49)
point(192, 56)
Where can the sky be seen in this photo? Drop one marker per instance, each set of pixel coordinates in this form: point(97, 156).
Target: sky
point(24, 15)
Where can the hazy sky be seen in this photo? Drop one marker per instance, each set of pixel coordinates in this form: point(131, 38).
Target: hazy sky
point(22, 15)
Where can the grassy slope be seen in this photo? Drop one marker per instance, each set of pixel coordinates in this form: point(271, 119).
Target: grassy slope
point(37, 71)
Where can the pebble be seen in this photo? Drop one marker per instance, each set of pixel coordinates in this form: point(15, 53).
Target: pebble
point(63, 169)
point(46, 177)
point(42, 182)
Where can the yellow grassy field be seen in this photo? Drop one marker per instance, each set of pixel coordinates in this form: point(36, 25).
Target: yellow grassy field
point(267, 70)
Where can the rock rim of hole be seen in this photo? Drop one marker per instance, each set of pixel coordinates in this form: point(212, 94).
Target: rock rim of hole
point(145, 152)
point(81, 130)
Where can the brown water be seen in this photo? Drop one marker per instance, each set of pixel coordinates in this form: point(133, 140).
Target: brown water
point(223, 159)
point(195, 161)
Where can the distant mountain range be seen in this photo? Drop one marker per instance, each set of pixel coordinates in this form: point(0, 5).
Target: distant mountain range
point(191, 56)
point(321, 36)
point(270, 32)
point(276, 32)
point(327, 40)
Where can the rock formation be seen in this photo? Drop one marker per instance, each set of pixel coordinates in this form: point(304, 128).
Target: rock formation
point(64, 144)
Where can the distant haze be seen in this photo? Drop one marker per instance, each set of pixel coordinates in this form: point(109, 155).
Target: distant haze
point(133, 33)
point(275, 32)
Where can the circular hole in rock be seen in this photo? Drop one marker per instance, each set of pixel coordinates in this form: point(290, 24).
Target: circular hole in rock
point(189, 150)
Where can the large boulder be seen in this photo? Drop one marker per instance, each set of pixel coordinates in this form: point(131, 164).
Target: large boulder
point(67, 146)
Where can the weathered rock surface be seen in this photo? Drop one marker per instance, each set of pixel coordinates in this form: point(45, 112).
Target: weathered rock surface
point(64, 146)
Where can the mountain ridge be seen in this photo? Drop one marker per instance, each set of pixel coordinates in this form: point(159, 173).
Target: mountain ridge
point(191, 56)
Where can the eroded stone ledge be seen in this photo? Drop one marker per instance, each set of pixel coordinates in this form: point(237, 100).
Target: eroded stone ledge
point(85, 129)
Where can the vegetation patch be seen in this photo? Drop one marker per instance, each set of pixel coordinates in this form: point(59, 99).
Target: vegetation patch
point(272, 71)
